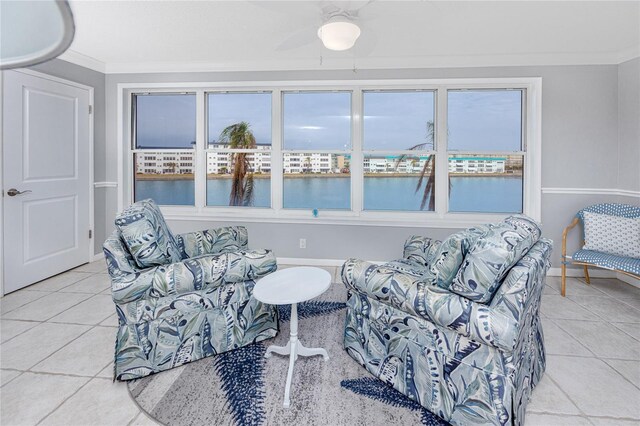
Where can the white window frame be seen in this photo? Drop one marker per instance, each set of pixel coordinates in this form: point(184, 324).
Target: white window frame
point(439, 218)
point(207, 150)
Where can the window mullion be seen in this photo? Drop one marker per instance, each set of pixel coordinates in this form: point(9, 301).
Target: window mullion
point(277, 182)
point(200, 163)
point(129, 165)
point(357, 159)
point(442, 169)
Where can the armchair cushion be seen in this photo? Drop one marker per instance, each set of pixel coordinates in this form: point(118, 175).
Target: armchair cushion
point(213, 241)
point(194, 274)
point(451, 253)
point(146, 235)
point(491, 257)
point(613, 235)
point(421, 250)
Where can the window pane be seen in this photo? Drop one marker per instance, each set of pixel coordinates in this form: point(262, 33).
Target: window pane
point(399, 183)
point(318, 120)
point(226, 109)
point(253, 189)
point(165, 121)
point(482, 183)
point(316, 181)
point(485, 120)
point(398, 120)
point(166, 177)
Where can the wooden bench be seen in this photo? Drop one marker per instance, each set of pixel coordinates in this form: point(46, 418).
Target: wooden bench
point(625, 265)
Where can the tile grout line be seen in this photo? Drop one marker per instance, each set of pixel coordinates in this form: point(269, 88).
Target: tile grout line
point(33, 291)
point(59, 349)
point(59, 292)
point(90, 379)
point(574, 339)
point(47, 321)
point(50, 293)
point(628, 334)
point(610, 366)
point(609, 297)
point(582, 344)
point(68, 343)
point(616, 370)
point(88, 274)
point(600, 317)
point(567, 396)
point(55, 315)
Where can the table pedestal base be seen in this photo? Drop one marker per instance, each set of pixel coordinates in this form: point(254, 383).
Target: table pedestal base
point(293, 348)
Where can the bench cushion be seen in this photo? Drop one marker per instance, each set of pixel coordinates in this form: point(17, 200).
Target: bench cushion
point(612, 234)
point(608, 261)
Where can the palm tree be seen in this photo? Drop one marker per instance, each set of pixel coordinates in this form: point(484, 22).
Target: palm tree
point(240, 136)
point(428, 194)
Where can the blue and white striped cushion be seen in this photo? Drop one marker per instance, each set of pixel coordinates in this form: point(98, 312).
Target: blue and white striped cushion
point(608, 261)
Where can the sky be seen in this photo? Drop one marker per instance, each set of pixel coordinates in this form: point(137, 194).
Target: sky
point(478, 119)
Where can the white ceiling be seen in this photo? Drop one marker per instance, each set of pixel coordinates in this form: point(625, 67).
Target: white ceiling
point(148, 36)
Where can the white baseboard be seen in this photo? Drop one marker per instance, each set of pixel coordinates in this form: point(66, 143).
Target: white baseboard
point(629, 280)
point(594, 273)
point(309, 262)
point(575, 272)
point(97, 256)
point(303, 261)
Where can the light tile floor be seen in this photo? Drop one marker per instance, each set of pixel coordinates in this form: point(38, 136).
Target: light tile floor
point(57, 346)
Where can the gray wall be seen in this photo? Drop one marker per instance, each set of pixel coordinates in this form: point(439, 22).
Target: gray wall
point(629, 125)
point(78, 74)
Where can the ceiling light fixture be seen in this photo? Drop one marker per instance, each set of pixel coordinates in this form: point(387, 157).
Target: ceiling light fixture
point(339, 33)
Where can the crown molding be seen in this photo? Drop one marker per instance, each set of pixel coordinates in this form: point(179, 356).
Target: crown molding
point(83, 60)
point(629, 54)
point(348, 63)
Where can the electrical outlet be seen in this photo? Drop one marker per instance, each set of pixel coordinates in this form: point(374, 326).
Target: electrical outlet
point(303, 243)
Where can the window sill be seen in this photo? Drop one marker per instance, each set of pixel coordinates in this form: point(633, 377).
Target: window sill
point(348, 218)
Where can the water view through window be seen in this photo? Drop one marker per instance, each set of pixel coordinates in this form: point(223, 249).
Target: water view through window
point(239, 121)
point(484, 152)
point(483, 194)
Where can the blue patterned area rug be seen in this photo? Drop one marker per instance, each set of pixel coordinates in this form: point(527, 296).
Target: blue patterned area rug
point(241, 387)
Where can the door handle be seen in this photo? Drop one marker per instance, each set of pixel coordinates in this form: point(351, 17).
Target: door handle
point(13, 192)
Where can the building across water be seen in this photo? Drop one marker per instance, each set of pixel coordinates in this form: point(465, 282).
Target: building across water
point(220, 162)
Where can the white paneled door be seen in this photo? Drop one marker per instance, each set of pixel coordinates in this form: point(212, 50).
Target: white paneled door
point(46, 177)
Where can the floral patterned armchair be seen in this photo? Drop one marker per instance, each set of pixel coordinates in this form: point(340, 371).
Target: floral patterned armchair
point(182, 298)
point(455, 325)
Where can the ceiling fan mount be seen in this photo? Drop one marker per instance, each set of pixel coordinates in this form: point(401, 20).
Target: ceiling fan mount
point(338, 24)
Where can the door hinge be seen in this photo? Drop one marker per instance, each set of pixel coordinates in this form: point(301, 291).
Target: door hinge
point(90, 233)
point(90, 109)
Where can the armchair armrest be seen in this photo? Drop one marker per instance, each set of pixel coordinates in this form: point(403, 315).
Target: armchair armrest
point(204, 272)
point(420, 249)
point(419, 296)
point(212, 241)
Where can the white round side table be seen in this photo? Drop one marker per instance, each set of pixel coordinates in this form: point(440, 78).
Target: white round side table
point(290, 287)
